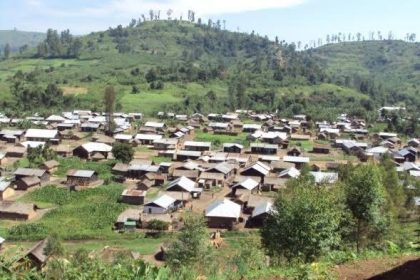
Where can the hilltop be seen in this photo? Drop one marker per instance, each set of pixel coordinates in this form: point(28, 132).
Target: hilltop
point(188, 67)
point(17, 39)
point(393, 64)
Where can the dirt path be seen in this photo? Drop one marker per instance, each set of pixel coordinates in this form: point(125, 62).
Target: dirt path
point(402, 268)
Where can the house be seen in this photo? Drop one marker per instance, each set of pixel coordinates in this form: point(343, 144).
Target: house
point(257, 169)
point(120, 169)
point(25, 183)
point(413, 143)
point(279, 165)
point(129, 219)
point(251, 128)
point(248, 185)
point(197, 146)
point(36, 255)
point(405, 154)
point(264, 149)
point(208, 179)
point(11, 136)
point(183, 155)
point(93, 150)
point(144, 184)
point(147, 139)
point(51, 166)
point(377, 152)
point(273, 183)
point(233, 148)
point(90, 127)
point(135, 197)
point(123, 138)
point(274, 137)
point(63, 150)
point(325, 177)
point(3, 158)
point(224, 168)
point(289, 173)
point(298, 161)
point(165, 144)
point(15, 152)
point(137, 171)
point(300, 137)
point(81, 177)
point(162, 204)
point(223, 214)
point(321, 149)
point(158, 179)
point(17, 211)
point(294, 151)
point(42, 135)
point(155, 125)
point(182, 184)
point(260, 213)
point(6, 189)
point(43, 175)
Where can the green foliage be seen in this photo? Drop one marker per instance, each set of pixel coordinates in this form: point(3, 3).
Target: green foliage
point(158, 225)
point(365, 199)
point(102, 168)
point(191, 247)
point(123, 152)
point(54, 246)
point(85, 214)
point(305, 223)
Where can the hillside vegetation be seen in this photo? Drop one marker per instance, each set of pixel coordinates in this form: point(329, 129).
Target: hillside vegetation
point(168, 65)
point(17, 39)
point(392, 66)
point(186, 67)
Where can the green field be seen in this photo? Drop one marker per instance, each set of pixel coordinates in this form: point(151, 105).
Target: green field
point(218, 139)
point(87, 214)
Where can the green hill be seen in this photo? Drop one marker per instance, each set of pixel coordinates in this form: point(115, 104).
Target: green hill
point(17, 39)
point(187, 67)
point(394, 65)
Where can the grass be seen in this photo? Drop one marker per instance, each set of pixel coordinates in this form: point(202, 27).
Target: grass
point(102, 168)
point(305, 145)
point(87, 214)
point(158, 159)
point(218, 139)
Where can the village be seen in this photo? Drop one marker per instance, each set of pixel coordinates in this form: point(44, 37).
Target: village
point(226, 167)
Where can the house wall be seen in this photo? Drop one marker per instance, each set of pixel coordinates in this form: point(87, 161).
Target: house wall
point(134, 200)
point(17, 216)
point(219, 222)
point(154, 210)
point(6, 193)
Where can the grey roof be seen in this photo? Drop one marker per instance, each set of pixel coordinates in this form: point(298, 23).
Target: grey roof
point(265, 207)
point(81, 173)
point(4, 184)
point(197, 144)
point(163, 201)
point(182, 182)
point(224, 208)
point(29, 172)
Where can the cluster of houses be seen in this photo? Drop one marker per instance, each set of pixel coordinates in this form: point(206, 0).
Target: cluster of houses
point(227, 182)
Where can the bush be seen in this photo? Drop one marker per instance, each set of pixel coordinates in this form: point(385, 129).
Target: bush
point(158, 225)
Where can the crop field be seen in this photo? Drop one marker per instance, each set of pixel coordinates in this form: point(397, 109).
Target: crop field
point(219, 139)
point(102, 168)
point(87, 214)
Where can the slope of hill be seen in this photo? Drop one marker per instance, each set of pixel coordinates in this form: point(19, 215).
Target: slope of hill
point(393, 64)
point(17, 39)
point(186, 67)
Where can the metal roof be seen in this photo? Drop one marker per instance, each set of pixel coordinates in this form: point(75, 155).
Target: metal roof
point(41, 133)
point(265, 207)
point(224, 208)
point(82, 173)
point(182, 182)
point(163, 201)
point(248, 184)
point(97, 147)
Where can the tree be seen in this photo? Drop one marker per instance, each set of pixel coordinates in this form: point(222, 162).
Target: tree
point(123, 152)
point(53, 246)
point(191, 247)
point(365, 198)
point(304, 224)
point(109, 103)
point(6, 51)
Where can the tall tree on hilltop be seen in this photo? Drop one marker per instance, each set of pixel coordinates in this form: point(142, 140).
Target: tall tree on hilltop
point(7, 51)
point(109, 103)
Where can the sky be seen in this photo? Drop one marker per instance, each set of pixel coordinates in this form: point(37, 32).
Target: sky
point(290, 20)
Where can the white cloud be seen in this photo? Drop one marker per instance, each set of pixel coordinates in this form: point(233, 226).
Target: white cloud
point(201, 7)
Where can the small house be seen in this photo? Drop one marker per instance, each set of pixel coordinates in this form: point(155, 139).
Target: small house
point(36, 256)
point(93, 150)
point(127, 220)
point(51, 166)
point(223, 214)
point(162, 204)
point(233, 148)
point(17, 211)
point(81, 177)
point(321, 149)
point(6, 190)
point(260, 214)
point(135, 197)
point(197, 146)
point(182, 184)
point(25, 183)
point(264, 149)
